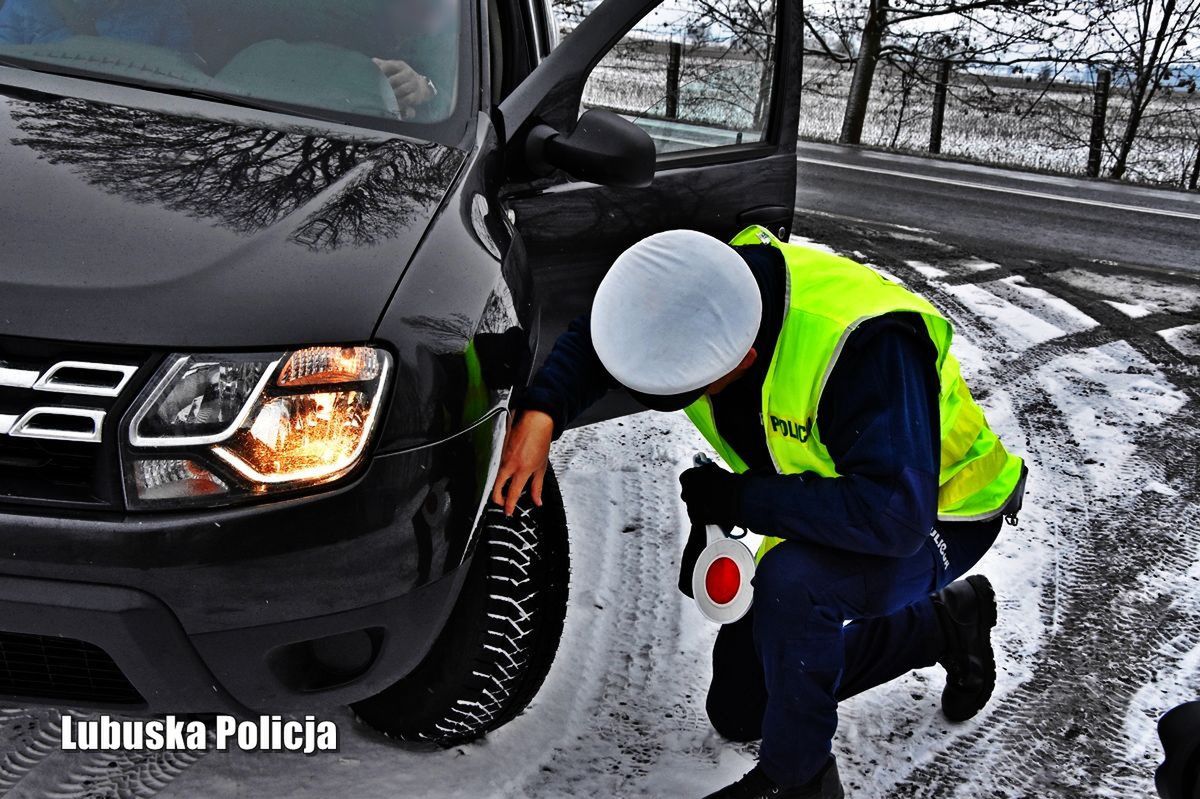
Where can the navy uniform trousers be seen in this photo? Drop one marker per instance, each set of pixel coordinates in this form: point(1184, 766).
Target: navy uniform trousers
point(779, 672)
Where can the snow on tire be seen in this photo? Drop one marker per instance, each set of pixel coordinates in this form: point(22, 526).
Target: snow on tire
point(500, 640)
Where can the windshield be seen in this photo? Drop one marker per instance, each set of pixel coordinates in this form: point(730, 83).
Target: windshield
point(349, 60)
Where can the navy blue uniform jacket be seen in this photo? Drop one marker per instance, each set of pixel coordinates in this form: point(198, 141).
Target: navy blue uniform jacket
point(878, 417)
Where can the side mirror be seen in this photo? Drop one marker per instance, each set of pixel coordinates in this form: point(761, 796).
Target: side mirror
point(603, 148)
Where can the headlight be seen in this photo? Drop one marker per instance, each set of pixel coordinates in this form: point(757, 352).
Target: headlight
point(214, 428)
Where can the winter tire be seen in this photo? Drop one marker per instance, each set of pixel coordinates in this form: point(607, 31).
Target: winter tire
point(494, 653)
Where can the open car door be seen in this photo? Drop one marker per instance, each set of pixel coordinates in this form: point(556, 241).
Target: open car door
point(715, 84)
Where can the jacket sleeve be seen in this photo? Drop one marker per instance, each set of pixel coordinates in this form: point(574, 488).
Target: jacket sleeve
point(879, 420)
point(571, 379)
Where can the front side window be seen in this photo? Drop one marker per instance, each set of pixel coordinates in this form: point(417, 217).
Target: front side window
point(347, 60)
point(695, 74)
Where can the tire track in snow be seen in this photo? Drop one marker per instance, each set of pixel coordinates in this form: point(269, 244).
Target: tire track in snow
point(638, 699)
point(1112, 621)
point(35, 767)
point(1061, 732)
point(28, 737)
point(120, 775)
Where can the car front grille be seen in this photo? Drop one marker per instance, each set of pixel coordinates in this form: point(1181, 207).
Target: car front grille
point(61, 669)
point(59, 408)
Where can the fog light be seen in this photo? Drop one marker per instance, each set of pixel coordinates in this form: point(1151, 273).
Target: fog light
point(323, 663)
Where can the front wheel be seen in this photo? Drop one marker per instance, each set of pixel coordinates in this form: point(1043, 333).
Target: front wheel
point(494, 653)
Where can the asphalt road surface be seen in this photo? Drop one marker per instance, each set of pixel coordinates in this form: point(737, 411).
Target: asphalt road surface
point(997, 213)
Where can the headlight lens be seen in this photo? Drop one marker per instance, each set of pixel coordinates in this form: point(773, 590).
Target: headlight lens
point(202, 399)
point(218, 427)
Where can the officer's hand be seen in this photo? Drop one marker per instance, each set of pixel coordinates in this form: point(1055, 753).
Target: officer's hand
point(711, 494)
point(411, 88)
point(524, 460)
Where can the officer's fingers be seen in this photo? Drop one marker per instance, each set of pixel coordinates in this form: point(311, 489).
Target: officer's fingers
point(498, 491)
point(515, 487)
point(535, 487)
point(502, 475)
point(508, 450)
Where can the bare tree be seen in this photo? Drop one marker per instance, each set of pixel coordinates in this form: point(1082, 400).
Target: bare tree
point(1145, 42)
point(749, 28)
point(706, 62)
point(905, 33)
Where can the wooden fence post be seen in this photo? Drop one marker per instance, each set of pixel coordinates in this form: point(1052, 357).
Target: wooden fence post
point(939, 106)
point(674, 57)
point(1195, 178)
point(1099, 110)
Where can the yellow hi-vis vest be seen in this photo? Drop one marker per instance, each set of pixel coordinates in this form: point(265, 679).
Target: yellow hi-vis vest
point(828, 297)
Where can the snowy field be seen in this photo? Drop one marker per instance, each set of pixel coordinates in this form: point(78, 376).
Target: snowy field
point(1033, 126)
point(1002, 122)
point(1086, 369)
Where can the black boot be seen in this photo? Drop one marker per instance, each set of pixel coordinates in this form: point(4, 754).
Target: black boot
point(757, 785)
point(966, 610)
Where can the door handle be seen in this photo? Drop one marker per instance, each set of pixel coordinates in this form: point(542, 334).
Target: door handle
point(775, 218)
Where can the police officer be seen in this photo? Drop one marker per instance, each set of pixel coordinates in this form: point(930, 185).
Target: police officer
point(855, 447)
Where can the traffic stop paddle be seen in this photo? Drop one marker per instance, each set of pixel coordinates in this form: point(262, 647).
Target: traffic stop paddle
point(717, 570)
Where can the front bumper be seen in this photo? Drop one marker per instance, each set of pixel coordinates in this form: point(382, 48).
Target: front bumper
point(281, 606)
point(235, 671)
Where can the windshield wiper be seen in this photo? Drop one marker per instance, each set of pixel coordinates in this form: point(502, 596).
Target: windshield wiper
point(243, 101)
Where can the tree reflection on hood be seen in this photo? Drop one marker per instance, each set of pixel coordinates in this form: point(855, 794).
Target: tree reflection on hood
point(344, 191)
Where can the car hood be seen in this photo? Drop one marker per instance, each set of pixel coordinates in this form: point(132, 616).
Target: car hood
point(124, 225)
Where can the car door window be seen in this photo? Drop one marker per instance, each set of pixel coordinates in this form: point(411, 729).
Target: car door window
point(695, 74)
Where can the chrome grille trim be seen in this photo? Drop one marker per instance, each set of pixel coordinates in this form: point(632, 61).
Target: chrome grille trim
point(47, 381)
point(17, 378)
point(59, 402)
point(24, 427)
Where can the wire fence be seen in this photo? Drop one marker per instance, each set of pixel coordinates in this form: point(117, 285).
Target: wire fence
point(724, 88)
point(1050, 120)
point(1029, 121)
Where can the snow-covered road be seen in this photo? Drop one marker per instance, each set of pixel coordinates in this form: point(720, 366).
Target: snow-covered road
point(1087, 369)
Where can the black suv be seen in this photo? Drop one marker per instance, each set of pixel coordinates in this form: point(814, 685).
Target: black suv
point(269, 273)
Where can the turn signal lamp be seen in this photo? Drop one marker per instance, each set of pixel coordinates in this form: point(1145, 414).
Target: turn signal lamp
point(318, 366)
point(245, 425)
point(169, 479)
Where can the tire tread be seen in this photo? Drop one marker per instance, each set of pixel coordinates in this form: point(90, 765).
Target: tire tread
point(525, 572)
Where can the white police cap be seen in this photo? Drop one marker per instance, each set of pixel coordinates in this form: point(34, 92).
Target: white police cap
point(676, 312)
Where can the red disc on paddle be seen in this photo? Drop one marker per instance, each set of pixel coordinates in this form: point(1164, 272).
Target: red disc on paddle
point(722, 580)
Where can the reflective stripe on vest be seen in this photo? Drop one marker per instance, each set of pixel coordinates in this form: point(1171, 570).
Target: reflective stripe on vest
point(828, 297)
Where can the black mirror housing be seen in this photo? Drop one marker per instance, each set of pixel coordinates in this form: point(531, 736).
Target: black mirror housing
point(603, 148)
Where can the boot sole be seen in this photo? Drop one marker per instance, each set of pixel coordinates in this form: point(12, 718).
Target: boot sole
point(988, 617)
